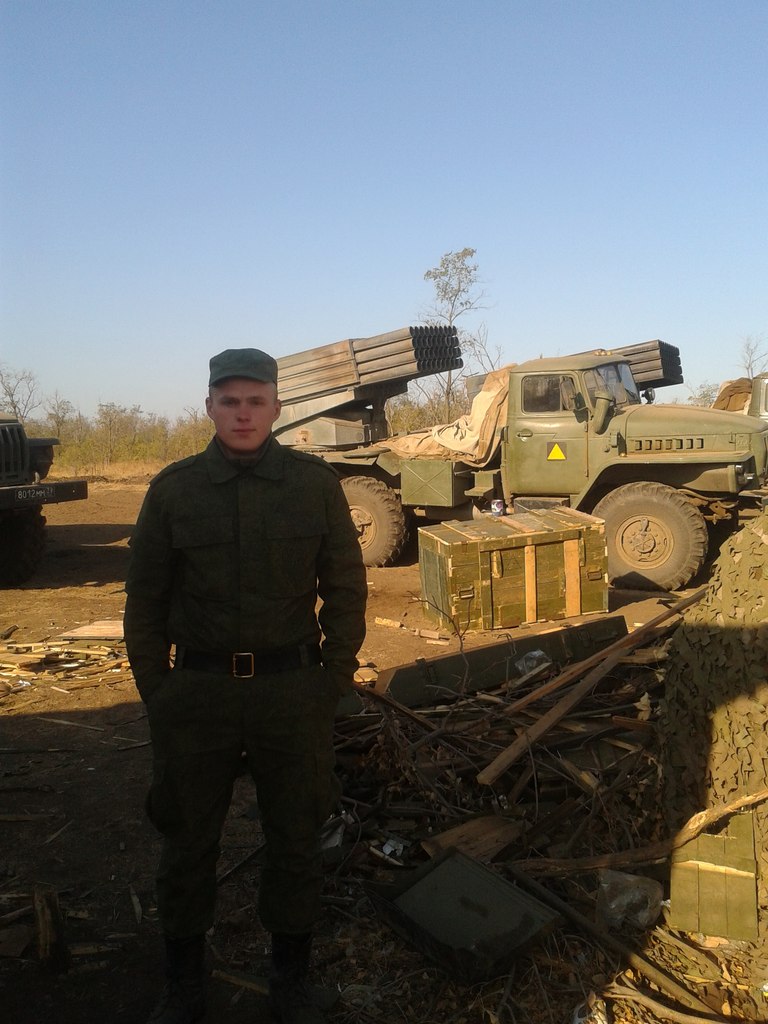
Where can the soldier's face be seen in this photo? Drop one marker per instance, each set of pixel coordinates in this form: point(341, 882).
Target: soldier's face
point(243, 412)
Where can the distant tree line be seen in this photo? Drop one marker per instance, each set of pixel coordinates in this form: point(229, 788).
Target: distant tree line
point(117, 435)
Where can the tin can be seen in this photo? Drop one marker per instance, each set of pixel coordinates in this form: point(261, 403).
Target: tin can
point(498, 507)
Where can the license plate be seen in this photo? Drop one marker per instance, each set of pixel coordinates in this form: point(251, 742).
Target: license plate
point(38, 493)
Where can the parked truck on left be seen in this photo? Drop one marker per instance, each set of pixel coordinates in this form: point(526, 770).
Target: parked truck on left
point(24, 489)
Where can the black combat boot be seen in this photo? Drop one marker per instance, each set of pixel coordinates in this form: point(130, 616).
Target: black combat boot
point(290, 995)
point(182, 1000)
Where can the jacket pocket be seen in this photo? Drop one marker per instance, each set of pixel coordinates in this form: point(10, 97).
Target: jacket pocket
point(292, 550)
point(205, 548)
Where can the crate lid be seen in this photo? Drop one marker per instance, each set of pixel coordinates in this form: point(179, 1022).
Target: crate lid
point(498, 531)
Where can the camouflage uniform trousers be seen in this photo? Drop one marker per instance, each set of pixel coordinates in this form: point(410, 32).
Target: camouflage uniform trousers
point(205, 727)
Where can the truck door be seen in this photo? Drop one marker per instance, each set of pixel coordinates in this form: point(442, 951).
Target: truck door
point(547, 437)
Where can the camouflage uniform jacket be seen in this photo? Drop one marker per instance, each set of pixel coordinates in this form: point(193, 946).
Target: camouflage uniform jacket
point(225, 558)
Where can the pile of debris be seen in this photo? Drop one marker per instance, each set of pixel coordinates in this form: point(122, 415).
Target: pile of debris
point(515, 763)
point(510, 815)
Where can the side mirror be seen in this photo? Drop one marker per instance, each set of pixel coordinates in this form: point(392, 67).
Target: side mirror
point(650, 395)
point(603, 405)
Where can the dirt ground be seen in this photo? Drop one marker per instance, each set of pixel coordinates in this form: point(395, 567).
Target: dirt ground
point(75, 767)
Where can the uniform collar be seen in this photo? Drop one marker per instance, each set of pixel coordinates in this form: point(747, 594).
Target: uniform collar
point(270, 466)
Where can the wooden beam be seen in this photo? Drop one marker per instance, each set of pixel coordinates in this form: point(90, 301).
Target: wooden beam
point(534, 732)
point(622, 644)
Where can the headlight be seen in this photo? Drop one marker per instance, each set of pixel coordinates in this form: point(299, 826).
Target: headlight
point(745, 475)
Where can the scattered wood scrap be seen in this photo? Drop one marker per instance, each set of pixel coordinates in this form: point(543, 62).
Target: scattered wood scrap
point(433, 636)
point(61, 665)
point(52, 947)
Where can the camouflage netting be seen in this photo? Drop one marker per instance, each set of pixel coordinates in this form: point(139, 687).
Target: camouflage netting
point(714, 720)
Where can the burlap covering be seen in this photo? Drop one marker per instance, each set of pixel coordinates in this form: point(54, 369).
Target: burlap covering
point(472, 438)
point(734, 395)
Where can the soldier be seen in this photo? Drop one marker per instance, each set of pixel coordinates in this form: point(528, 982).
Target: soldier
point(231, 550)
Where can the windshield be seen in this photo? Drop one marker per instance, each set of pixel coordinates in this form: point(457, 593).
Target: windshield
point(616, 379)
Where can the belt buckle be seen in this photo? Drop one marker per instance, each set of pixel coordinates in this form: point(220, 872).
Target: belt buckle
point(235, 665)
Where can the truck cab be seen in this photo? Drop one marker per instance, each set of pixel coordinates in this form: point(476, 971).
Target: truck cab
point(579, 433)
point(577, 427)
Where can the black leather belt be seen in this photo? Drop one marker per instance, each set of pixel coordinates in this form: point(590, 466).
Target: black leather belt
point(247, 664)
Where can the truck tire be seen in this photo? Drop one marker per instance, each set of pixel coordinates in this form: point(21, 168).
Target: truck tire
point(656, 537)
point(378, 517)
point(22, 546)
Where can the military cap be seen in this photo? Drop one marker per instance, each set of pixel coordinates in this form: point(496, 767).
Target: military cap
point(243, 362)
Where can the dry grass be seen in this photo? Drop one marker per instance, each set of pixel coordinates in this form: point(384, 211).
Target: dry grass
point(132, 472)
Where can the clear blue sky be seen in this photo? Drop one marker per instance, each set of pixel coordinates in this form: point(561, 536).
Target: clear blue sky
point(179, 177)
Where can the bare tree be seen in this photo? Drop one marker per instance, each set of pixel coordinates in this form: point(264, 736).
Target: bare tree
point(19, 391)
point(475, 344)
point(82, 428)
point(190, 433)
point(702, 394)
point(457, 293)
point(116, 431)
point(754, 357)
point(60, 413)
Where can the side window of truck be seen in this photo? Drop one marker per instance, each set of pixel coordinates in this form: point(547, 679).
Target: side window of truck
point(548, 393)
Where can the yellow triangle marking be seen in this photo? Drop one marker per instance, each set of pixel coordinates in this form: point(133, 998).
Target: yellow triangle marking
point(556, 453)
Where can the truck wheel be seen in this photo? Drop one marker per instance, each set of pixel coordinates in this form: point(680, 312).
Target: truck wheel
point(656, 537)
point(378, 517)
point(22, 546)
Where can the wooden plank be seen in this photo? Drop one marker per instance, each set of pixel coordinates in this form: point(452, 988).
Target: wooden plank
point(491, 665)
point(101, 629)
point(624, 643)
point(49, 929)
point(531, 602)
point(479, 838)
point(684, 905)
point(713, 913)
point(540, 727)
point(515, 523)
point(710, 849)
point(741, 905)
point(572, 561)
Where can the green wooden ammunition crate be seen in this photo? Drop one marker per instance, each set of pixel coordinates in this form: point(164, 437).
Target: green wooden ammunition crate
point(499, 572)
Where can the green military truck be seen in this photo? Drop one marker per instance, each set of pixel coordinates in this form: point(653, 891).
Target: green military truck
point(24, 465)
point(572, 430)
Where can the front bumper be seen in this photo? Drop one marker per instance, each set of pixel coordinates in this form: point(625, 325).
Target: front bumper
point(29, 495)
